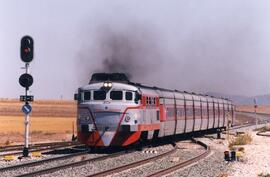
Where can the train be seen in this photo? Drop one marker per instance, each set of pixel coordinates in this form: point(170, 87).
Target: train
point(112, 111)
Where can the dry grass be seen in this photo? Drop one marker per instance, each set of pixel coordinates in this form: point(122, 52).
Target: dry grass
point(10, 124)
point(240, 140)
point(41, 129)
point(50, 120)
point(250, 108)
point(41, 108)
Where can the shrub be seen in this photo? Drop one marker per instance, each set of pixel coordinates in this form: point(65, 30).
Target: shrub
point(68, 131)
point(240, 140)
point(264, 175)
point(8, 142)
point(49, 133)
point(36, 132)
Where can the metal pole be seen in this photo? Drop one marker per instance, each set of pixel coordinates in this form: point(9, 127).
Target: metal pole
point(228, 126)
point(256, 118)
point(26, 122)
point(255, 111)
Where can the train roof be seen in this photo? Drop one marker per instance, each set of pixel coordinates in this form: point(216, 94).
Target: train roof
point(177, 91)
point(122, 78)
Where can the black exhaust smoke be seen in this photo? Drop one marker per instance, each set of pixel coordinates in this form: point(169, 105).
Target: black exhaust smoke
point(133, 50)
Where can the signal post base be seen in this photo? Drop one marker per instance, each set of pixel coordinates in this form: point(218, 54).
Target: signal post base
point(25, 152)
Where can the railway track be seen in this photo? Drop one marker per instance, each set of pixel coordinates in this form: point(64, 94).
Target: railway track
point(262, 120)
point(132, 165)
point(185, 163)
point(153, 159)
point(40, 162)
point(32, 146)
point(262, 133)
point(20, 147)
point(41, 148)
point(85, 159)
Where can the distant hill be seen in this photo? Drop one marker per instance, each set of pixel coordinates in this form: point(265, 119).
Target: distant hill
point(244, 100)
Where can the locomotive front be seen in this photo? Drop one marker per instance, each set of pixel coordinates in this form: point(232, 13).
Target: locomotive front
point(108, 111)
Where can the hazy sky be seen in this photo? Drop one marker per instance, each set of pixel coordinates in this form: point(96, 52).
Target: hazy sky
point(202, 46)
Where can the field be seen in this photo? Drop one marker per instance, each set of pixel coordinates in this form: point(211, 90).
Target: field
point(50, 120)
point(250, 108)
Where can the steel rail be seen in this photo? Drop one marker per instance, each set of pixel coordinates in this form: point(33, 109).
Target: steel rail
point(43, 149)
point(185, 163)
point(132, 165)
point(31, 164)
point(261, 133)
point(20, 146)
point(74, 164)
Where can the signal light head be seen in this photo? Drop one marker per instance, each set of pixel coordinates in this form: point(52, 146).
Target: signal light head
point(27, 49)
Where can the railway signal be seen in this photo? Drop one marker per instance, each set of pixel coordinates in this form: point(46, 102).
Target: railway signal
point(26, 80)
point(27, 49)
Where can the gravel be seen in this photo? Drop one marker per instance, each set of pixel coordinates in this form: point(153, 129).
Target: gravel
point(24, 160)
point(53, 154)
point(150, 168)
point(256, 158)
point(213, 165)
point(95, 167)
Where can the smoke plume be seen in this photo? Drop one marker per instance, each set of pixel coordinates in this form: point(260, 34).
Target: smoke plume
point(133, 50)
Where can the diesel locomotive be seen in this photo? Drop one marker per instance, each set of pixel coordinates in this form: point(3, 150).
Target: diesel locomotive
point(112, 111)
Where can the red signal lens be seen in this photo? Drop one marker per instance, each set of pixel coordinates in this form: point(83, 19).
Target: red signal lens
point(26, 50)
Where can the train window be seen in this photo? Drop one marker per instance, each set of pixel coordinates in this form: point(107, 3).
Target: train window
point(99, 95)
point(150, 100)
point(128, 95)
point(86, 95)
point(137, 97)
point(116, 95)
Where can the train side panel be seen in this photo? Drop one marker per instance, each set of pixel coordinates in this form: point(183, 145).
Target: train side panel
point(197, 113)
point(180, 113)
point(204, 113)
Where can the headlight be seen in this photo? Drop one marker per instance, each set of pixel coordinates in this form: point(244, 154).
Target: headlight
point(84, 117)
point(107, 84)
point(127, 119)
